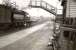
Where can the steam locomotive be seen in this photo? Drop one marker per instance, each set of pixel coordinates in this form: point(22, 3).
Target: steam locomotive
point(11, 17)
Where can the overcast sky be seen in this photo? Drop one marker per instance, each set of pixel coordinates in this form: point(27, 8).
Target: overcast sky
point(37, 11)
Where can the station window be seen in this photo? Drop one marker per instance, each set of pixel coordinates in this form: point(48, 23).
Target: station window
point(66, 34)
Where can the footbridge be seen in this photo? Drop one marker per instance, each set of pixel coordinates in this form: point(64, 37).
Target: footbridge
point(44, 5)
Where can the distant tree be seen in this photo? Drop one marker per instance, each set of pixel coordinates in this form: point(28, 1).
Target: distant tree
point(9, 3)
point(14, 5)
point(6, 2)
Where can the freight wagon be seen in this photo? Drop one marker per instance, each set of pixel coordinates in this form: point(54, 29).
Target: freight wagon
point(11, 16)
